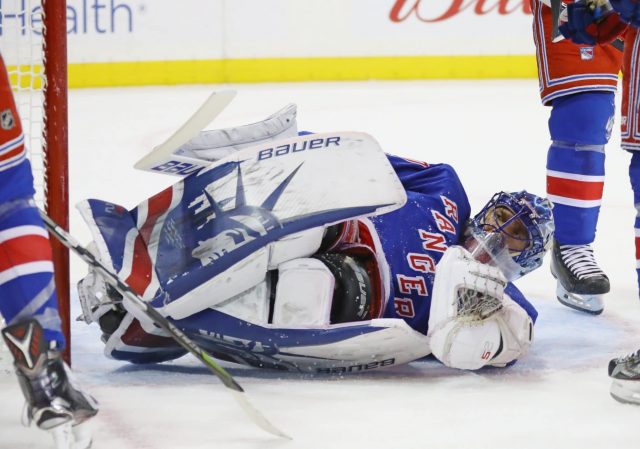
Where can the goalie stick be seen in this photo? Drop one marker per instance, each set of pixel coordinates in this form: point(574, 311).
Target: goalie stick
point(556, 35)
point(162, 158)
point(238, 393)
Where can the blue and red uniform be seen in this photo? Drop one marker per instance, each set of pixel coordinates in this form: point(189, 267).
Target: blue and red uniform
point(415, 237)
point(579, 83)
point(409, 242)
point(27, 287)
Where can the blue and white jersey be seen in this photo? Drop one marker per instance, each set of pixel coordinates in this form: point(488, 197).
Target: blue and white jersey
point(415, 237)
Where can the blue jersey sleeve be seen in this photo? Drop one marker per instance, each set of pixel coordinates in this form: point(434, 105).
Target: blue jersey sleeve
point(415, 237)
point(519, 299)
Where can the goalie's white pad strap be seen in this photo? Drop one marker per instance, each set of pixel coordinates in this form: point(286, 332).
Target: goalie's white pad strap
point(216, 144)
point(303, 295)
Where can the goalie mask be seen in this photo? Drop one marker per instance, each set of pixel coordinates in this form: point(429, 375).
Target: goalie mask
point(513, 232)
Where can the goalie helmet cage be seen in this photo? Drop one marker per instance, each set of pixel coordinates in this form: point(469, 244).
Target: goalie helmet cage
point(33, 41)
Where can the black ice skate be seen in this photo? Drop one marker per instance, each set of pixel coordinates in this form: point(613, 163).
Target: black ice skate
point(625, 372)
point(52, 398)
point(581, 282)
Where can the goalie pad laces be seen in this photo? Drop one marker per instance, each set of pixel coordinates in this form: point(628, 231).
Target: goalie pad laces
point(580, 261)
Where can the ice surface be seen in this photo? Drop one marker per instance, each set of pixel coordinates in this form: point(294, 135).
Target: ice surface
point(494, 134)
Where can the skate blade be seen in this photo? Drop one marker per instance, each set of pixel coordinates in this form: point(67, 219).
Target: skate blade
point(626, 391)
point(67, 436)
point(591, 304)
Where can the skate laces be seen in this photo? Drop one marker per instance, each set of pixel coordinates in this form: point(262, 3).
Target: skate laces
point(634, 357)
point(627, 366)
point(580, 261)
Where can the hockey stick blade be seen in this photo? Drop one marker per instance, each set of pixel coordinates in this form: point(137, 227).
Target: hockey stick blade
point(228, 381)
point(206, 113)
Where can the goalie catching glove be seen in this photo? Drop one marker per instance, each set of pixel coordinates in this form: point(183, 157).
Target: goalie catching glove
point(473, 322)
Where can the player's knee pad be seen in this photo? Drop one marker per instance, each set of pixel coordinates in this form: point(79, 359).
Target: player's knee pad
point(329, 288)
point(353, 289)
point(582, 119)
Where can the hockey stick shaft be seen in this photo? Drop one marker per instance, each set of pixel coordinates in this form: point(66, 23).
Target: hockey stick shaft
point(556, 6)
point(238, 393)
point(158, 158)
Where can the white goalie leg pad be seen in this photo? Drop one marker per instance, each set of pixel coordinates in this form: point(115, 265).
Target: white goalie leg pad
point(251, 305)
point(294, 246)
point(245, 274)
point(217, 144)
point(303, 295)
point(467, 295)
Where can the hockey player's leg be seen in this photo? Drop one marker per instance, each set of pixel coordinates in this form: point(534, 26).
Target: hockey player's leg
point(634, 176)
point(625, 372)
point(53, 398)
point(69, 436)
point(580, 126)
point(28, 302)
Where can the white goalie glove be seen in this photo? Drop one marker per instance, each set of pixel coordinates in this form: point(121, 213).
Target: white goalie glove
point(473, 323)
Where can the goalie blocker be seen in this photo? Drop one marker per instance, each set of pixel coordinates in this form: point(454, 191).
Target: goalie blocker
point(271, 262)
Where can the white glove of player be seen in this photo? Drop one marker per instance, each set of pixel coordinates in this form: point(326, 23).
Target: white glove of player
point(472, 322)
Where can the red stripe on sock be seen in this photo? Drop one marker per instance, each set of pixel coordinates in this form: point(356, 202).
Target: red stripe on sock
point(570, 188)
point(25, 249)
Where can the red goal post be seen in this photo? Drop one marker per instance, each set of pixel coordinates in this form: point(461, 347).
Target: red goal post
point(33, 41)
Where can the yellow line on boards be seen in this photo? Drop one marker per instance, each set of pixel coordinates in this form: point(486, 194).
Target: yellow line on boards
point(300, 69)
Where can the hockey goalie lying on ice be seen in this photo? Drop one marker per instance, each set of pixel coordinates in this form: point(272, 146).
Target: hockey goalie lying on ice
point(317, 252)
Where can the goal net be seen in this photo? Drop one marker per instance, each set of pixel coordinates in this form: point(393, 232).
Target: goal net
point(33, 44)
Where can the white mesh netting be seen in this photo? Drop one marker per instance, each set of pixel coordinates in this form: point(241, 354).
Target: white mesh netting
point(22, 49)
